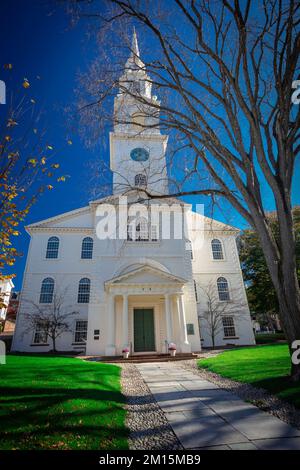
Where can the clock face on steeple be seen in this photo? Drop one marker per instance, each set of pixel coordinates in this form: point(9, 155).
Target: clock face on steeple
point(139, 154)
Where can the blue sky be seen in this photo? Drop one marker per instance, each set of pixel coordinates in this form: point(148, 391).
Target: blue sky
point(37, 39)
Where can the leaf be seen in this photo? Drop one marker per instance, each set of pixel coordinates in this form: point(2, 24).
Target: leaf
point(69, 142)
point(49, 186)
point(49, 147)
point(26, 83)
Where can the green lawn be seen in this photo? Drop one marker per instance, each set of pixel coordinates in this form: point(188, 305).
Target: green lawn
point(263, 366)
point(60, 403)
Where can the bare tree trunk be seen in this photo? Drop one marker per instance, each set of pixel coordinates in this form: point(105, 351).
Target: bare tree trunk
point(281, 262)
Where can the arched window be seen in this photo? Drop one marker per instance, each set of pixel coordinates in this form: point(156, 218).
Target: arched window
point(87, 248)
point(47, 289)
point(84, 291)
point(52, 247)
point(138, 230)
point(217, 249)
point(140, 180)
point(223, 289)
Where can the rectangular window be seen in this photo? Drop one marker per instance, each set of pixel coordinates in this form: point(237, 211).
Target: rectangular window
point(190, 328)
point(229, 328)
point(154, 233)
point(189, 248)
point(81, 331)
point(196, 291)
point(40, 334)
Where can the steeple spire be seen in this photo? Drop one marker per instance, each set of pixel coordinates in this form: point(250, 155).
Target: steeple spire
point(134, 61)
point(134, 44)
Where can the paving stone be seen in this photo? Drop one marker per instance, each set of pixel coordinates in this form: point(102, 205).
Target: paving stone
point(278, 444)
point(206, 431)
point(182, 404)
point(224, 447)
point(262, 426)
point(243, 446)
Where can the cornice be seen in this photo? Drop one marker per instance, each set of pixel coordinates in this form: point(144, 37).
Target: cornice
point(45, 229)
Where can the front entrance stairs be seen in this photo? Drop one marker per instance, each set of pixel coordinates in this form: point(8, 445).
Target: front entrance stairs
point(142, 358)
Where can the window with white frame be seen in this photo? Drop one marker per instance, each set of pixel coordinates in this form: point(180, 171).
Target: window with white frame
point(80, 331)
point(140, 180)
point(40, 334)
point(141, 231)
point(223, 289)
point(47, 290)
point(217, 249)
point(189, 248)
point(52, 248)
point(87, 248)
point(228, 326)
point(84, 288)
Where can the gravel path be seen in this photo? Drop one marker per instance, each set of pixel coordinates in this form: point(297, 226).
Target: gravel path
point(149, 428)
point(258, 396)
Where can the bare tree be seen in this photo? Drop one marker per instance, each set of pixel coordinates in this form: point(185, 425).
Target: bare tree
point(51, 320)
point(212, 316)
point(225, 71)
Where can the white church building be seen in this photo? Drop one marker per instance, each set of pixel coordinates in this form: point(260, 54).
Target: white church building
point(171, 278)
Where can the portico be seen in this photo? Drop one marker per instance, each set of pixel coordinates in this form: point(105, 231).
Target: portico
point(145, 312)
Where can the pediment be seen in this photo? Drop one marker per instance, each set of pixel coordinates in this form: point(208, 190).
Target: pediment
point(146, 275)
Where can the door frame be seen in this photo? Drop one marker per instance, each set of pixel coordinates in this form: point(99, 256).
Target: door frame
point(155, 322)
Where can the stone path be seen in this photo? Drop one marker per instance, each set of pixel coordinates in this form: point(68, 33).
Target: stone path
point(205, 416)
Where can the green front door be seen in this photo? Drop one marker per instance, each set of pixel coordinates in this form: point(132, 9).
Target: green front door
point(144, 330)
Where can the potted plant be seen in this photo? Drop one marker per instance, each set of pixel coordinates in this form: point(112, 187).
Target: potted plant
point(172, 349)
point(125, 352)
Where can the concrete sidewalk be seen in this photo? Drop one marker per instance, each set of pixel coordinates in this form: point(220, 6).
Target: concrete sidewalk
point(204, 416)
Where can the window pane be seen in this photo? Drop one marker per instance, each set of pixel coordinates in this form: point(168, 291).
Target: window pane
point(52, 247)
point(140, 180)
point(84, 291)
point(223, 289)
point(87, 248)
point(81, 331)
point(47, 289)
point(217, 249)
point(40, 335)
point(228, 325)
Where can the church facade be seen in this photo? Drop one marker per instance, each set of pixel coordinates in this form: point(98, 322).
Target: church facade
point(126, 279)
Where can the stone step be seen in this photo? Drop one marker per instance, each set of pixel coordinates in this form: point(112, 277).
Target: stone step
point(142, 358)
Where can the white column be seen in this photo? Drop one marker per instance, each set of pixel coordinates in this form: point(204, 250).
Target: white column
point(168, 318)
point(185, 346)
point(125, 321)
point(111, 327)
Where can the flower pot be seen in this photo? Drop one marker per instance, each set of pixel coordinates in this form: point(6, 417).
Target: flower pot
point(172, 352)
point(126, 354)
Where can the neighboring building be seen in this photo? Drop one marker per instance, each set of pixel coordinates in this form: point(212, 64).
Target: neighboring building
point(142, 291)
point(11, 314)
point(5, 289)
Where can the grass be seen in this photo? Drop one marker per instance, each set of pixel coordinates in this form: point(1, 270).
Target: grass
point(267, 367)
point(51, 402)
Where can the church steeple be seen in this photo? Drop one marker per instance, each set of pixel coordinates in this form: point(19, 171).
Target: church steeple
point(137, 148)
